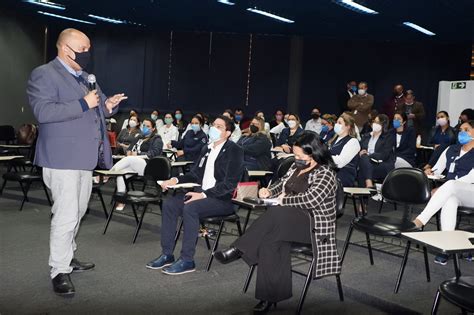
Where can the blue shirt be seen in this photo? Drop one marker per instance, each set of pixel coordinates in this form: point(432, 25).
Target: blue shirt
point(69, 69)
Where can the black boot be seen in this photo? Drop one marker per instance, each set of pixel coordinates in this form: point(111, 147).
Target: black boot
point(78, 266)
point(62, 285)
point(228, 255)
point(263, 307)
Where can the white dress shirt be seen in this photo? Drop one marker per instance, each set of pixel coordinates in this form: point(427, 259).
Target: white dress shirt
point(350, 149)
point(208, 180)
point(372, 143)
point(314, 125)
point(168, 134)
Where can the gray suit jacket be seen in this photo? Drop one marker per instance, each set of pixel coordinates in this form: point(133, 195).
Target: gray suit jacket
point(68, 136)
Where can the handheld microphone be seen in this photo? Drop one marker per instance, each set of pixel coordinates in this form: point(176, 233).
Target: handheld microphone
point(91, 82)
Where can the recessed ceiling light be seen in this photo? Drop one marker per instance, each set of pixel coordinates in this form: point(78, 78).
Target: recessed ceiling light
point(351, 5)
point(270, 15)
point(47, 4)
point(106, 19)
point(65, 17)
point(419, 28)
point(226, 2)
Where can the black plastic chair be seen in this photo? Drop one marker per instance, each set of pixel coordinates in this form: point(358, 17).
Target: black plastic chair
point(306, 250)
point(7, 134)
point(157, 168)
point(405, 186)
point(457, 291)
point(25, 178)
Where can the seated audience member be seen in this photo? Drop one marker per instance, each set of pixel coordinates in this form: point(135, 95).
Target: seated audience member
point(314, 124)
point(168, 132)
point(289, 135)
point(155, 117)
point(218, 172)
point(256, 146)
point(441, 136)
point(465, 116)
point(377, 156)
point(111, 133)
point(458, 190)
point(278, 119)
point(405, 141)
point(309, 187)
point(361, 105)
point(345, 150)
point(204, 127)
point(132, 113)
point(261, 114)
point(237, 133)
point(190, 146)
point(240, 119)
point(367, 128)
point(327, 129)
point(150, 145)
point(414, 110)
point(129, 134)
point(179, 122)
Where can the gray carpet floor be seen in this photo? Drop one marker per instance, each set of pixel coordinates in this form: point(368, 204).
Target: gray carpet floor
point(120, 283)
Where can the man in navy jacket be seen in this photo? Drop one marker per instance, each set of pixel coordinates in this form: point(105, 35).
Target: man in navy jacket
point(218, 170)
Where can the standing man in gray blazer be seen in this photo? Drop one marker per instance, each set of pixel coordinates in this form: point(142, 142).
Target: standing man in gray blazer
point(72, 142)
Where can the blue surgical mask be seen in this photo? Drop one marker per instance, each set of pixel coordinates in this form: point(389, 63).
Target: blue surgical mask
point(168, 121)
point(145, 130)
point(195, 127)
point(397, 123)
point(238, 117)
point(214, 134)
point(324, 128)
point(178, 116)
point(338, 129)
point(464, 137)
point(354, 88)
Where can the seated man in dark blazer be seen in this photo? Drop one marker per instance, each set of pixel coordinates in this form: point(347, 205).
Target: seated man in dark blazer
point(219, 169)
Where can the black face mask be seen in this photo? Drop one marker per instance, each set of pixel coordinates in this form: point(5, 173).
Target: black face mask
point(315, 115)
point(301, 164)
point(82, 58)
point(253, 129)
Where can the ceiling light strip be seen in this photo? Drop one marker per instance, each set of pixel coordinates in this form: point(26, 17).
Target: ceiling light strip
point(65, 17)
point(419, 28)
point(47, 4)
point(270, 15)
point(354, 6)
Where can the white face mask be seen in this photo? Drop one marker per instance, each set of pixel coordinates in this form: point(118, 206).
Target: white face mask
point(376, 127)
point(442, 121)
point(362, 92)
point(338, 129)
point(291, 124)
point(132, 123)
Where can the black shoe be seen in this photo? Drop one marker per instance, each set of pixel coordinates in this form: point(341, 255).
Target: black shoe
point(78, 266)
point(63, 286)
point(228, 255)
point(263, 307)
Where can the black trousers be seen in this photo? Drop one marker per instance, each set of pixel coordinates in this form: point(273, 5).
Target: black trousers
point(174, 207)
point(372, 170)
point(267, 243)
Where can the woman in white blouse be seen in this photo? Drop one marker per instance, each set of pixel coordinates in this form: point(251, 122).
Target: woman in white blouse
point(168, 132)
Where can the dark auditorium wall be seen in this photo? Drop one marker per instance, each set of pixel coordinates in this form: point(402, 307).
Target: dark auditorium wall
point(21, 49)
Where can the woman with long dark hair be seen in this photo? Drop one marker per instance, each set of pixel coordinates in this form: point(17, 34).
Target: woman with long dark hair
point(307, 192)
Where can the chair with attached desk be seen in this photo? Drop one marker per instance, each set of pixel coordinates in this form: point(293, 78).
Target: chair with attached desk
point(24, 178)
point(215, 220)
point(408, 187)
point(157, 168)
point(306, 250)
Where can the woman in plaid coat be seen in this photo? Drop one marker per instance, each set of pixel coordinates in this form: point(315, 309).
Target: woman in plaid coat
point(307, 192)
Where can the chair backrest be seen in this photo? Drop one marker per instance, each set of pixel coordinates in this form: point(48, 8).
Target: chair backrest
point(158, 168)
point(284, 166)
point(339, 200)
point(407, 186)
point(7, 133)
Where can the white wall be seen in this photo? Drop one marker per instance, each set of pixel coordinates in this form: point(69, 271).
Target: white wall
point(455, 100)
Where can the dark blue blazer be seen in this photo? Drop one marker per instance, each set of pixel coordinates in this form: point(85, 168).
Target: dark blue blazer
point(192, 144)
point(257, 147)
point(228, 170)
point(407, 148)
point(384, 148)
point(285, 137)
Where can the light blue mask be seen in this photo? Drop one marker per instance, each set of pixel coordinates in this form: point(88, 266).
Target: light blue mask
point(464, 138)
point(214, 134)
point(145, 130)
point(178, 116)
point(195, 128)
point(168, 121)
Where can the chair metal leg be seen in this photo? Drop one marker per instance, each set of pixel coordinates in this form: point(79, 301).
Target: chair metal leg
point(247, 218)
point(381, 206)
point(46, 193)
point(139, 225)
point(369, 247)
point(402, 267)
point(135, 213)
point(339, 288)
point(109, 217)
point(101, 197)
point(249, 278)
point(427, 265)
point(438, 223)
point(457, 267)
point(346, 244)
point(434, 309)
point(309, 277)
point(345, 200)
point(3, 186)
point(356, 213)
point(239, 227)
point(25, 194)
point(214, 246)
point(206, 238)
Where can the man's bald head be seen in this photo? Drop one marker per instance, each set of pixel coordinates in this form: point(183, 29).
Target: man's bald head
point(70, 42)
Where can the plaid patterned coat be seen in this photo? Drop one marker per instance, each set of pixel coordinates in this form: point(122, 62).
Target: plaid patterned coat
point(320, 201)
